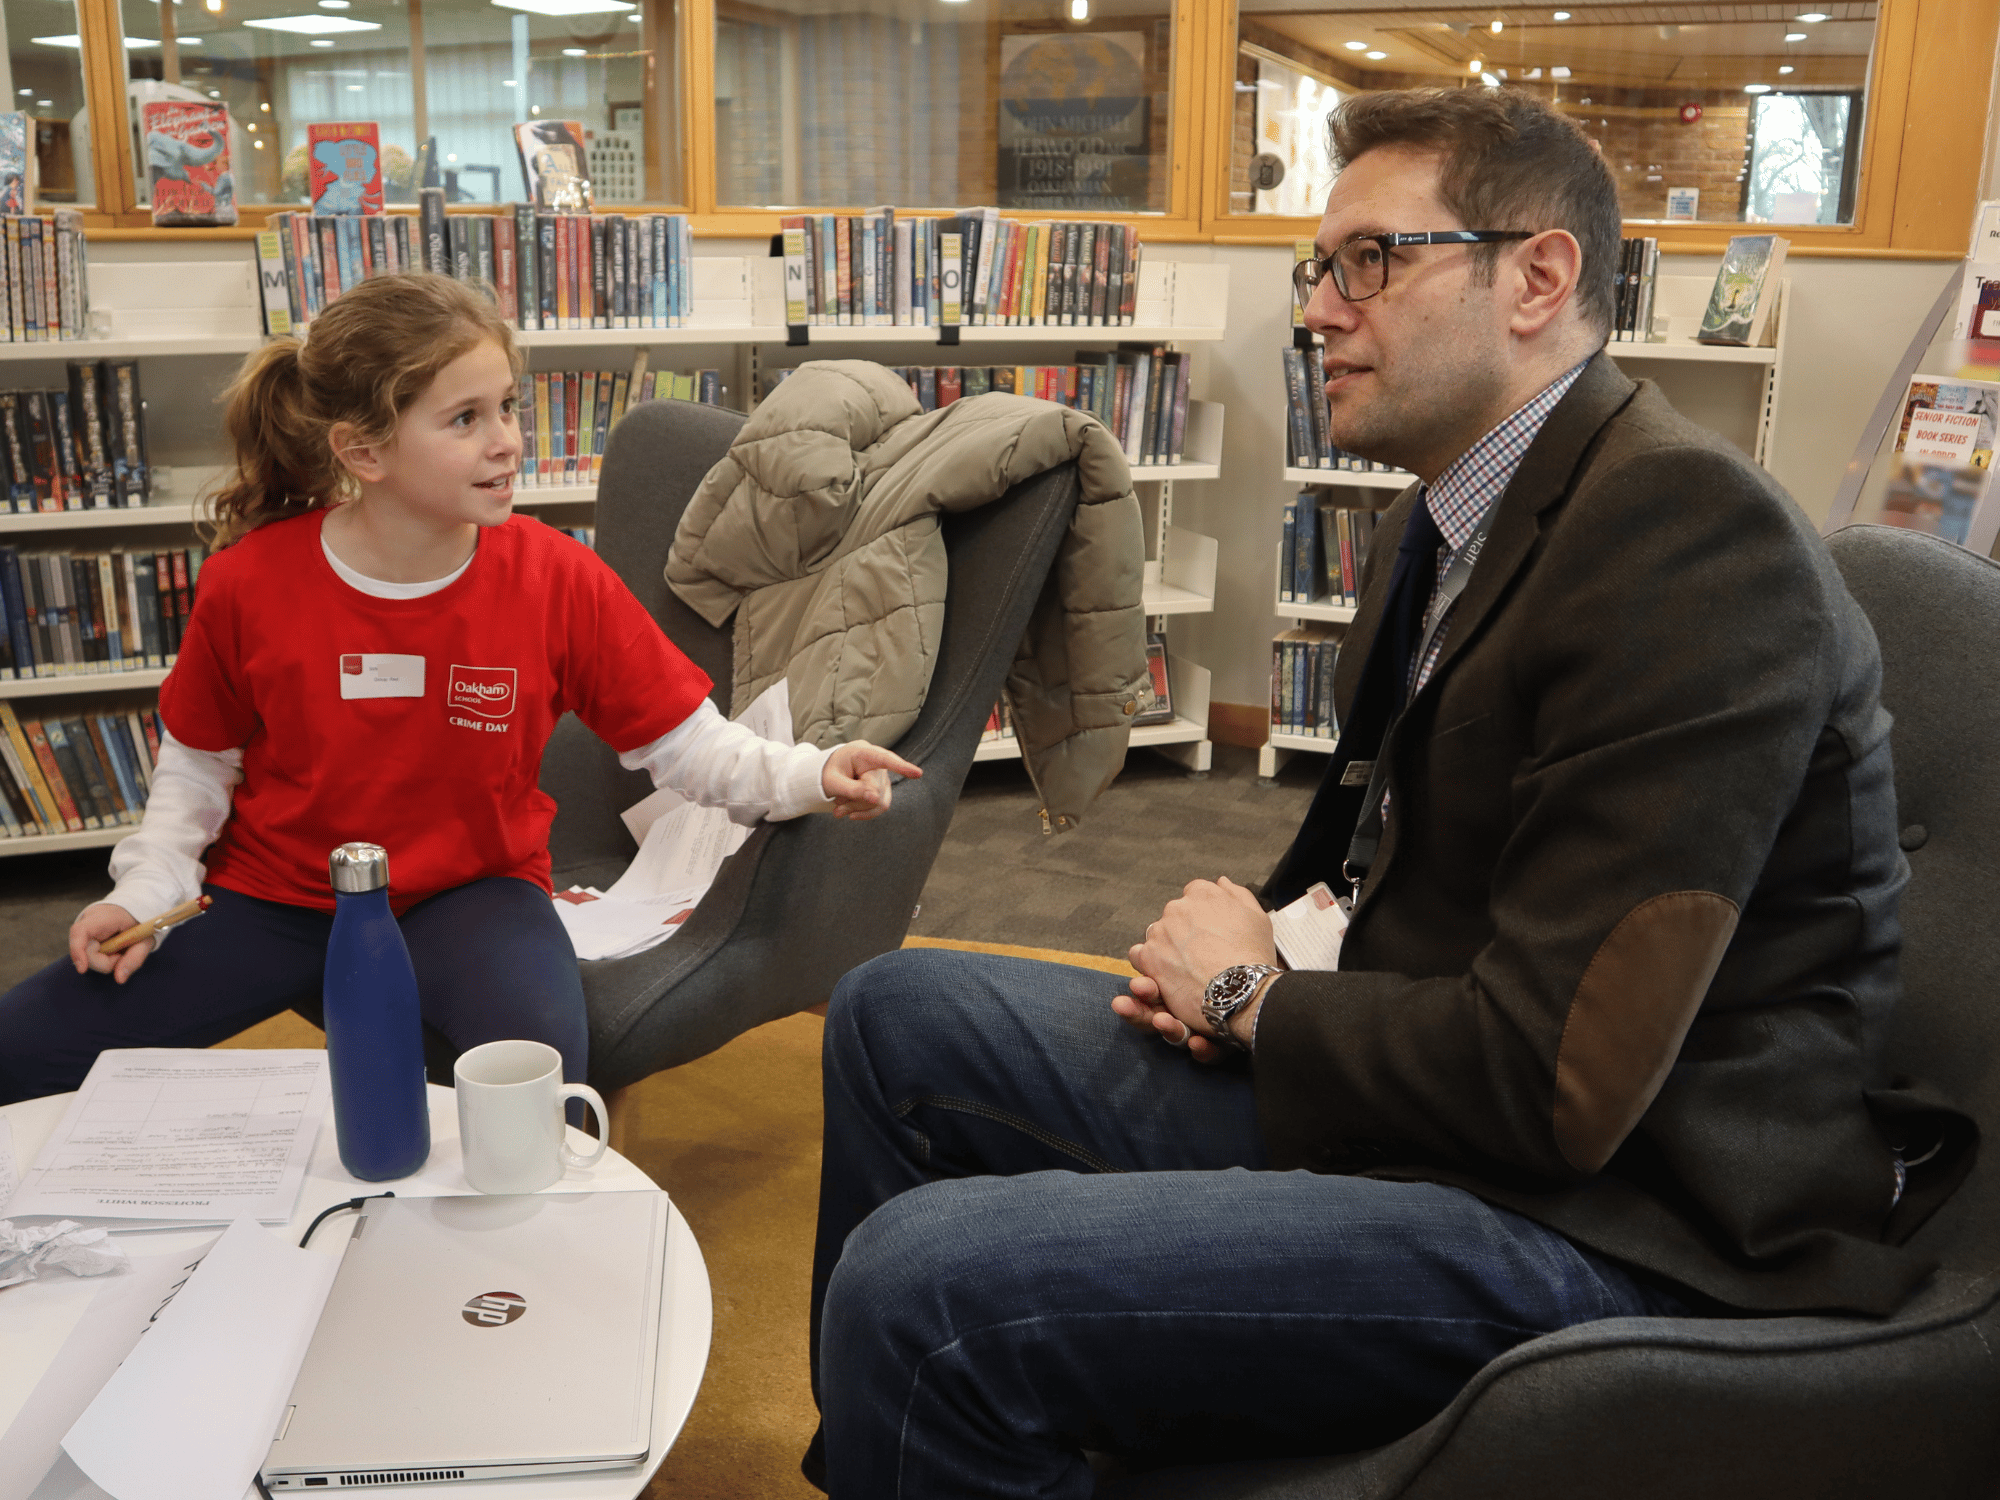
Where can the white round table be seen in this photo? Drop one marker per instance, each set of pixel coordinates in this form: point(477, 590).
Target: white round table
point(36, 1316)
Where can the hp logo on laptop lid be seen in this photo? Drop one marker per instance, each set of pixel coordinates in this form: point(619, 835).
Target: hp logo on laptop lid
point(494, 1309)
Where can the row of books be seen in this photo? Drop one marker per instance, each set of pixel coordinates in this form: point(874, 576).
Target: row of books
point(873, 270)
point(567, 415)
point(1324, 551)
point(76, 613)
point(1141, 394)
point(1302, 681)
point(1637, 280)
point(83, 448)
point(1308, 440)
point(546, 270)
point(44, 277)
point(65, 774)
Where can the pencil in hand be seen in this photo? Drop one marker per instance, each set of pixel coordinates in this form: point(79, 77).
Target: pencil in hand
point(157, 925)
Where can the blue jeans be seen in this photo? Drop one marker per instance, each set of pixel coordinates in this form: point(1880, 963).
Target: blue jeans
point(491, 958)
point(1041, 1232)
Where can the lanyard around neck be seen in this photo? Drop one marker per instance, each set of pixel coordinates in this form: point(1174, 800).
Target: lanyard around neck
point(1368, 826)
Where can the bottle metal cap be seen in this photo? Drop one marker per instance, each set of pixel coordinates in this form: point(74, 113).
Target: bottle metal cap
point(358, 867)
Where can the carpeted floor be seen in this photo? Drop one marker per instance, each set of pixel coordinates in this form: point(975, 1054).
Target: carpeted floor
point(735, 1136)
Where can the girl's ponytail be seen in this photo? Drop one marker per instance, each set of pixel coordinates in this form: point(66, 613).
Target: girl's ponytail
point(283, 464)
point(370, 354)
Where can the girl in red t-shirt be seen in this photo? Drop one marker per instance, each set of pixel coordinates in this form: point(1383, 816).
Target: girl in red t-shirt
point(379, 651)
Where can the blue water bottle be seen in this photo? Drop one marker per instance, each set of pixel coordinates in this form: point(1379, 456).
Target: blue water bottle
point(374, 1028)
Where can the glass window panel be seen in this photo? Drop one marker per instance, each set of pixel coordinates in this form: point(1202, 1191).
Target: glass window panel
point(1054, 106)
point(43, 79)
point(1746, 113)
point(610, 66)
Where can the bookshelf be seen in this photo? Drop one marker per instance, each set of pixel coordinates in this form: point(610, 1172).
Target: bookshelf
point(1679, 302)
point(193, 310)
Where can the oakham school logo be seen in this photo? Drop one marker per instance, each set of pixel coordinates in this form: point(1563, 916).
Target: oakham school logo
point(487, 691)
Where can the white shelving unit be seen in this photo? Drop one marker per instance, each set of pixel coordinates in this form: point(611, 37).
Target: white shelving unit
point(1679, 301)
point(178, 309)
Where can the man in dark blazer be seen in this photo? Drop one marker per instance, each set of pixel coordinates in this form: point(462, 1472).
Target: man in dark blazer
point(1613, 804)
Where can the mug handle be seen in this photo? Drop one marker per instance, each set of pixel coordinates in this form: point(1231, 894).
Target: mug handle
point(595, 1100)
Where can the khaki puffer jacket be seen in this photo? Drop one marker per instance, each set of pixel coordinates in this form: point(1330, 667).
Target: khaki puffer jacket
point(819, 530)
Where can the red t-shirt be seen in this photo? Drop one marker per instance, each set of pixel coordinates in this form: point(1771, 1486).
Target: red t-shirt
point(416, 724)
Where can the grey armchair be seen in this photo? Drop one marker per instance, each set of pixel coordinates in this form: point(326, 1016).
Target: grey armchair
point(801, 902)
point(1759, 1408)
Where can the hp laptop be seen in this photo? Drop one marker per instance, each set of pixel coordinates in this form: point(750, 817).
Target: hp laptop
point(480, 1338)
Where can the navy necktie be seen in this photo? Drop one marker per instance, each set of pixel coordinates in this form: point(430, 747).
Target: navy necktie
point(1321, 846)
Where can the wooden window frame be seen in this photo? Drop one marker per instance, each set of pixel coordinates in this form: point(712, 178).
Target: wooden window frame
point(1920, 181)
point(1923, 147)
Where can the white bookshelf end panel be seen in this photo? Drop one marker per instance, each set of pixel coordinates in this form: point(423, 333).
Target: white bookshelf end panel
point(1185, 297)
point(1182, 582)
point(177, 300)
point(725, 292)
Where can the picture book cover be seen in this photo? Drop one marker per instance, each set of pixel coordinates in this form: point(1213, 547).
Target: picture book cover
point(14, 162)
point(187, 162)
point(1943, 460)
point(344, 166)
point(554, 164)
point(1739, 309)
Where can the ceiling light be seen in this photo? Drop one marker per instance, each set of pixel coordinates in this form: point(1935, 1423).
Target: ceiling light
point(1497, 27)
point(1756, 88)
point(509, 83)
point(251, 127)
point(452, 157)
point(27, 93)
point(1811, 16)
point(354, 88)
point(45, 103)
point(215, 93)
point(336, 4)
point(214, 6)
point(1558, 72)
point(1079, 10)
point(258, 144)
point(310, 25)
point(1562, 15)
point(1375, 56)
point(1489, 80)
point(1786, 68)
point(566, 7)
point(319, 41)
point(1476, 65)
point(574, 52)
point(1532, 73)
point(534, 109)
point(265, 106)
point(1356, 46)
point(1795, 36)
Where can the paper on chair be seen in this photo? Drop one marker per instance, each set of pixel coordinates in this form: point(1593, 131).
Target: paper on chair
point(769, 717)
point(191, 1413)
point(183, 1136)
point(604, 926)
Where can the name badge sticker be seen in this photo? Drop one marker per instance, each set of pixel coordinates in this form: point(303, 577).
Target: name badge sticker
point(381, 674)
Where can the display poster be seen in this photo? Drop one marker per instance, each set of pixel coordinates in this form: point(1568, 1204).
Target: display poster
point(1074, 123)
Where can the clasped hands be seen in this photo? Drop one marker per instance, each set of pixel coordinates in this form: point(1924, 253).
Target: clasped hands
point(1214, 925)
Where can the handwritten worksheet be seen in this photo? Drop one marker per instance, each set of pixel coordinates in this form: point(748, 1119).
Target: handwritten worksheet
point(162, 1135)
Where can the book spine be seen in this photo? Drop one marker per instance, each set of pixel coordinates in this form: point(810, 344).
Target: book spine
point(51, 768)
point(600, 304)
point(69, 771)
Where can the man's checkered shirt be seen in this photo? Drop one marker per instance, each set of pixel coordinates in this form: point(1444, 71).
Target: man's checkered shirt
point(1466, 490)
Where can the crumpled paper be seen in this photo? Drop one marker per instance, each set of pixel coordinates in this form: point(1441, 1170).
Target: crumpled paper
point(26, 1249)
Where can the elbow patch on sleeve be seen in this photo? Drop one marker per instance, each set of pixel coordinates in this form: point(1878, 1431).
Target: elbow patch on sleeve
point(1637, 998)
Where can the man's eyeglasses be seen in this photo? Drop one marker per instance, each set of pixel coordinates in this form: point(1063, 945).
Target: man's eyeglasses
point(1360, 267)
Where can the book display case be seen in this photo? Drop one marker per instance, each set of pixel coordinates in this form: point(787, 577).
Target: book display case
point(173, 315)
point(1744, 407)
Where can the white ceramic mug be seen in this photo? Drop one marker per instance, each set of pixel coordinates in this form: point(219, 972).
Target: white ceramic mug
point(510, 1117)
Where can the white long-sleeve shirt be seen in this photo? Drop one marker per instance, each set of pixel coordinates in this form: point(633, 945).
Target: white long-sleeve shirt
point(707, 758)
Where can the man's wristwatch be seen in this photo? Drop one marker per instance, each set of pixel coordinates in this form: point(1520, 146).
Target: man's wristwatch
point(1229, 992)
